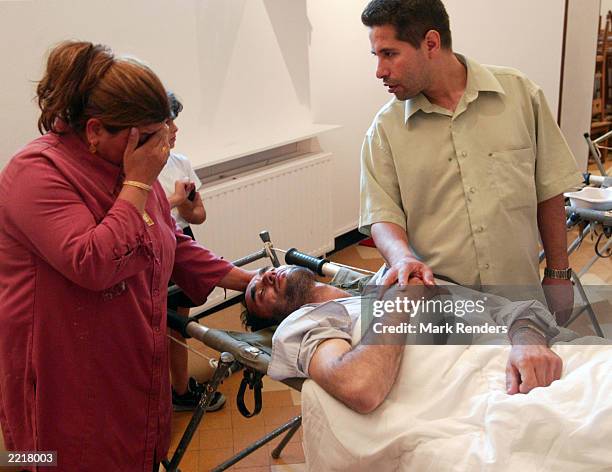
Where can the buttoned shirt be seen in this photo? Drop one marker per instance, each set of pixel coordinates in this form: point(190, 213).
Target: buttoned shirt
point(465, 184)
point(83, 282)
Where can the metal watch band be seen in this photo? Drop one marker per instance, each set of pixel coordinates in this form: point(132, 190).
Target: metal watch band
point(563, 274)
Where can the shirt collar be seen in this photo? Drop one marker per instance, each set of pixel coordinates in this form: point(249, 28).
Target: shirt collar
point(479, 79)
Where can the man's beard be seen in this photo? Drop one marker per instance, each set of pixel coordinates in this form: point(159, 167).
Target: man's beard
point(300, 282)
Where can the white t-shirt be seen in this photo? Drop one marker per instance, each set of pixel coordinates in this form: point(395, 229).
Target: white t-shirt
point(177, 167)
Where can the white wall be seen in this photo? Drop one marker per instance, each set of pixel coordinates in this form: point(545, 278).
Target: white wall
point(522, 33)
point(257, 70)
point(579, 72)
point(240, 67)
point(28, 30)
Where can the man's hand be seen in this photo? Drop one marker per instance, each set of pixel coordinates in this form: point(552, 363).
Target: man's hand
point(406, 270)
point(559, 297)
point(531, 363)
point(392, 242)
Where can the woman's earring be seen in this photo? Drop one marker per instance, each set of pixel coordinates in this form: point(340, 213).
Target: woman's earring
point(92, 148)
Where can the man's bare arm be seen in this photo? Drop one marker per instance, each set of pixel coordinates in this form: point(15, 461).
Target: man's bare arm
point(551, 224)
point(360, 378)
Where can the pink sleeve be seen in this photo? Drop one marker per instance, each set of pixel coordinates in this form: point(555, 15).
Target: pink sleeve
point(196, 269)
point(47, 214)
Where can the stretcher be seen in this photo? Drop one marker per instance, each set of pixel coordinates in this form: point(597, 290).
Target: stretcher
point(592, 221)
point(249, 352)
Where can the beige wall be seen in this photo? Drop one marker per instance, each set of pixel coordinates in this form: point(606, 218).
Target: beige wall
point(312, 63)
point(579, 72)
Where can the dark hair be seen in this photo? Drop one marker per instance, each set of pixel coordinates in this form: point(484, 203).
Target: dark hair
point(412, 19)
point(84, 81)
point(252, 322)
point(175, 105)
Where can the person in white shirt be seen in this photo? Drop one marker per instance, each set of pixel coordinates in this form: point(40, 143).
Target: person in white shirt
point(181, 185)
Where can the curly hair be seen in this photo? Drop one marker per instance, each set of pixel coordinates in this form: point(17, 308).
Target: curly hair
point(252, 322)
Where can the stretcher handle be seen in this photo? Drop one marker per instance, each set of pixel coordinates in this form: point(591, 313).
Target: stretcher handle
point(293, 256)
point(600, 180)
point(179, 323)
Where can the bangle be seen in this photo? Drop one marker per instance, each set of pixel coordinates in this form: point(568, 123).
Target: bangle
point(140, 185)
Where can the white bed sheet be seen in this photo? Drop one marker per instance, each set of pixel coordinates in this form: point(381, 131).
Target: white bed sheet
point(448, 411)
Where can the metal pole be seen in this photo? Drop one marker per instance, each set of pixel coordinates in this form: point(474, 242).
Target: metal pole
point(587, 306)
point(278, 449)
point(594, 259)
point(225, 362)
point(259, 443)
point(595, 152)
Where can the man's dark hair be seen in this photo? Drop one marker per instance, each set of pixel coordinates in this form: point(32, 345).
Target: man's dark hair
point(175, 105)
point(252, 322)
point(412, 19)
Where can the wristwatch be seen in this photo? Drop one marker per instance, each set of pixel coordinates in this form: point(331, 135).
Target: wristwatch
point(562, 274)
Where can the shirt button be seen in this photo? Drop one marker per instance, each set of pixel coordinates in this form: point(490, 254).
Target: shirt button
point(480, 229)
point(490, 154)
point(156, 292)
point(486, 266)
point(472, 190)
point(464, 154)
point(450, 159)
point(156, 329)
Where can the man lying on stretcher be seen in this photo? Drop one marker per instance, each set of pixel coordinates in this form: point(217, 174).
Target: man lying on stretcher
point(318, 335)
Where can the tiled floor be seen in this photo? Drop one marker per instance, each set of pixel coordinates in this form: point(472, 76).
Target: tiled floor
point(226, 432)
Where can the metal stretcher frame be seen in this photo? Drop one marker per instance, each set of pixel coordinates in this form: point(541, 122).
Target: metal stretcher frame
point(590, 218)
point(254, 358)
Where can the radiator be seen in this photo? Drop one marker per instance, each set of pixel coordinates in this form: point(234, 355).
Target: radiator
point(291, 200)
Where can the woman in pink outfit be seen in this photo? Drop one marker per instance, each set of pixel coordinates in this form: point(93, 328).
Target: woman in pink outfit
point(87, 245)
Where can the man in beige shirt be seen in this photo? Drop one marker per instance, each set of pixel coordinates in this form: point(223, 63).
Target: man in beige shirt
point(465, 166)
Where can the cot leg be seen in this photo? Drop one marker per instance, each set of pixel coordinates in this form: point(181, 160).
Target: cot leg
point(278, 449)
point(225, 362)
point(587, 307)
point(294, 423)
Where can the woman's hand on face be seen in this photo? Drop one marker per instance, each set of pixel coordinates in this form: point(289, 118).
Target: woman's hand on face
point(144, 163)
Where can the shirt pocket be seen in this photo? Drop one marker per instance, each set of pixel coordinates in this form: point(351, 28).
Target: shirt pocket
point(514, 176)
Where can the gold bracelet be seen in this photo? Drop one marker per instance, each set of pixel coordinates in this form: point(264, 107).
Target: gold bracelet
point(140, 185)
